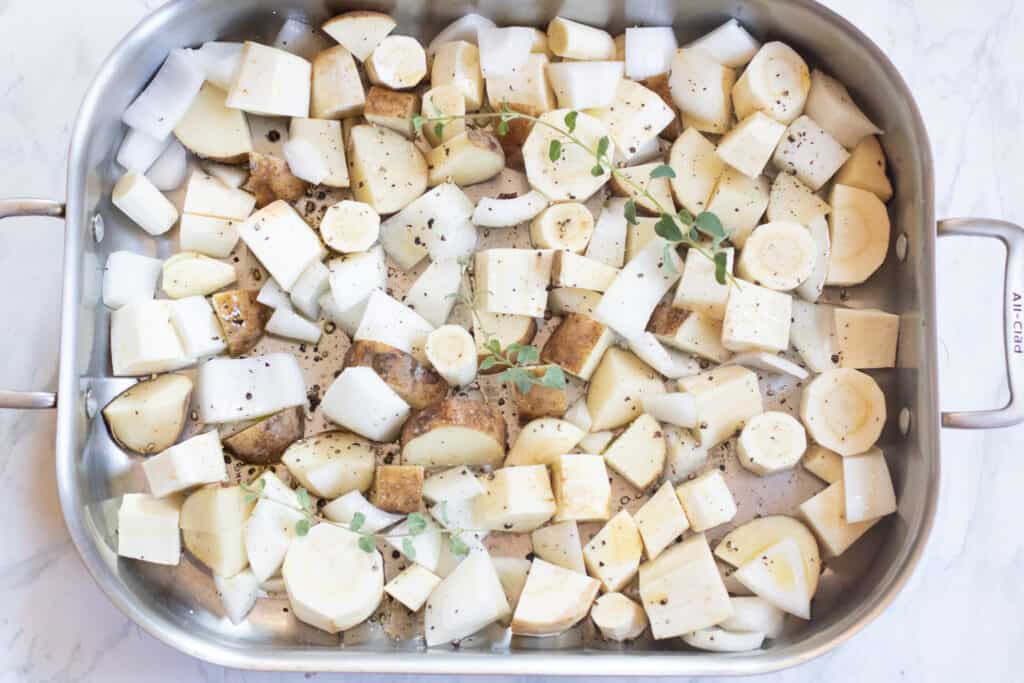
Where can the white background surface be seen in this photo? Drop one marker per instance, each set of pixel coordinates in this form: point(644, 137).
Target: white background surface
point(961, 617)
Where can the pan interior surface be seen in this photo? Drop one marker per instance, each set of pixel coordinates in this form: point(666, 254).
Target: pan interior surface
point(179, 604)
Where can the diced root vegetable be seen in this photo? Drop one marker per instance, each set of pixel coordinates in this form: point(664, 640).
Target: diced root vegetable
point(165, 100)
point(139, 151)
point(129, 277)
point(139, 199)
point(238, 389)
point(168, 171)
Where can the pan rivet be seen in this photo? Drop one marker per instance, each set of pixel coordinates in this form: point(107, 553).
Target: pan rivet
point(98, 228)
point(901, 246)
point(904, 421)
point(90, 404)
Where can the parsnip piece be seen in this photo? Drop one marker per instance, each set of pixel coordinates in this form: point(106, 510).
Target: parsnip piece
point(500, 212)
point(691, 332)
point(439, 102)
point(628, 303)
point(618, 618)
point(573, 40)
point(859, 231)
point(829, 103)
point(729, 44)
point(449, 616)
point(618, 387)
point(581, 487)
point(398, 62)
point(613, 555)
point(726, 398)
point(868, 487)
point(777, 576)
point(560, 545)
point(843, 410)
point(458, 63)
point(700, 87)
point(635, 116)
point(145, 205)
point(699, 290)
point(661, 520)
point(452, 352)
point(771, 442)
point(739, 201)
point(813, 335)
point(553, 600)
point(337, 91)
point(791, 200)
point(282, 241)
point(776, 81)
point(513, 280)
point(707, 501)
point(568, 178)
point(865, 169)
point(778, 256)
point(810, 153)
point(638, 454)
point(744, 543)
point(360, 31)
point(867, 338)
point(697, 170)
point(517, 499)
point(756, 319)
point(750, 145)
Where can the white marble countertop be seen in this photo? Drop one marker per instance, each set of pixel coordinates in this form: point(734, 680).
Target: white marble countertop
point(958, 619)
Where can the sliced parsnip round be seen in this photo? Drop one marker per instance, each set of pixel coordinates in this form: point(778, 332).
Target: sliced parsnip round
point(843, 410)
point(743, 543)
point(776, 82)
point(332, 583)
point(567, 225)
point(779, 256)
point(751, 613)
point(398, 62)
point(148, 417)
point(452, 352)
point(573, 40)
point(350, 226)
point(618, 617)
point(859, 228)
point(569, 177)
point(771, 442)
point(715, 639)
point(812, 288)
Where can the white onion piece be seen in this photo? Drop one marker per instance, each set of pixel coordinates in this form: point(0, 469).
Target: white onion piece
point(305, 161)
point(138, 151)
point(273, 296)
point(235, 389)
point(649, 51)
point(669, 362)
point(287, 323)
point(237, 594)
point(219, 61)
point(464, 28)
point(232, 176)
point(495, 212)
point(169, 170)
point(503, 51)
point(300, 39)
point(158, 108)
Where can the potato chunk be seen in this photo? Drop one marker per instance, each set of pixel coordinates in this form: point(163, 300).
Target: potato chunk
point(398, 488)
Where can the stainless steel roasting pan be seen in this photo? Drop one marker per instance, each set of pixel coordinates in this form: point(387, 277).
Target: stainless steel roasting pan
point(178, 608)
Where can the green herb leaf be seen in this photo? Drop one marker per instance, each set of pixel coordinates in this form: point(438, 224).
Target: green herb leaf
point(417, 123)
point(503, 127)
point(408, 549)
point(457, 546)
point(668, 264)
point(667, 228)
point(694, 235)
point(630, 212)
point(602, 146)
point(304, 500)
point(685, 216)
point(721, 261)
point(494, 346)
point(553, 378)
point(527, 354)
point(438, 129)
point(709, 224)
point(555, 150)
point(302, 527)
point(358, 519)
point(366, 544)
point(570, 121)
point(597, 170)
point(522, 379)
point(663, 171)
point(488, 362)
point(417, 523)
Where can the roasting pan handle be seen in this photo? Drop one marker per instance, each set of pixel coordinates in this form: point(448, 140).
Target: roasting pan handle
point(11, 208)
point(1012, 236)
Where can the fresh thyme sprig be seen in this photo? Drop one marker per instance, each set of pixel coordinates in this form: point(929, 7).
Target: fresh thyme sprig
point(676, 228)
point(417, 523)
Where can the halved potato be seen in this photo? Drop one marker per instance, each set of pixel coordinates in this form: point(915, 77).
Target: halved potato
point(553, 600)
point(264, 442)
point(333, 463)
point(387, 171)
point(540, 401)
point(212, 524)
point(270, 179)
point(577, 345)
point(470, 157)
point(418, 384)
point(148, 417)
point(212, 130)
point(542, 441)
point(242, 318)
point(455, 431)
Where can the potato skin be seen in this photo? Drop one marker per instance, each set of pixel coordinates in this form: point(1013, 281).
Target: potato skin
point(539, 401)
point(456, 412)
point(264, 442)
point(241, 318)
point(418, 384)
point(572, 343)
point(666, 319)
point(518, 130)
point(270, 179)
point(398, 488)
